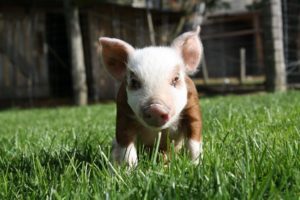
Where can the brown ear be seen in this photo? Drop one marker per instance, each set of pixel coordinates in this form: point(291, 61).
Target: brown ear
point(115, 54)
point(190, 48)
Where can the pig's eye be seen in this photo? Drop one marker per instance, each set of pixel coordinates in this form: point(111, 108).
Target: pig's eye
point(134, 84)
point(175, 81)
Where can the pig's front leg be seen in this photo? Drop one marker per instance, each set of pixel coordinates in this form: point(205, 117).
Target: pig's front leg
point(125, 154)
point(123, 149)
point(194, 138)
point(195, 149)
point(193, 124)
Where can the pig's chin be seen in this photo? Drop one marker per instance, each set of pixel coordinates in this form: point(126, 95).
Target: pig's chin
point(159, 126)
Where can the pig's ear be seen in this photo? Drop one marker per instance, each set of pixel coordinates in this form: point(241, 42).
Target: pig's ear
point(115, 55)
point(190, 48)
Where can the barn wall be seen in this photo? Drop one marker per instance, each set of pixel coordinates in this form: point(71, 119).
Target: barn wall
point(23, 60)
point(34, 56)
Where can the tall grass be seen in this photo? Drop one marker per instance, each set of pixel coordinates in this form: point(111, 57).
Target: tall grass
point(251, 151)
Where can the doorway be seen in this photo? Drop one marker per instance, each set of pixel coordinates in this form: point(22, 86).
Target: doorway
point(59, 65)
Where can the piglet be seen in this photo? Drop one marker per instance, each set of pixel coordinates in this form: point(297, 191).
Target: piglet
point(156, 96)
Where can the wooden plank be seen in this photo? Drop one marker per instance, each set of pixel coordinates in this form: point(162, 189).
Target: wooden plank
point(103, 85)
point(164, 31)
point(94, 59)
point(242, 65)
point(258, 41)
point(15, 46)
point(140, 31)
point(298, 36)
point(223, 18)
point(228, 34)
point(151, 28)
point(249, 80)
point(80, 91)
point(28, 51)
point(6, 72)
point(8, 51)
point(5, 67)
point(39, 55)
point(204, 70)
point(116, 24)
point(1, 70)
point(19, 47)
point(276, 69)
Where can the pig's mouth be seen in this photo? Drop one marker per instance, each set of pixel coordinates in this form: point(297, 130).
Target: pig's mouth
point(156, 114)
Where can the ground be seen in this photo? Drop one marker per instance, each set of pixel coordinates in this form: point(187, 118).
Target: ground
point(251, 151)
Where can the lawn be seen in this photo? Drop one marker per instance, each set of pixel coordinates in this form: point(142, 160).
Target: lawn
point(251, 151)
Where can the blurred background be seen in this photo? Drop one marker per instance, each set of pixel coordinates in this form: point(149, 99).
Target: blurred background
point(49, 51)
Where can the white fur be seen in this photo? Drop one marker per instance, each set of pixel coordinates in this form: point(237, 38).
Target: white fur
point(124, 154)
point(154, 66)
point(195, 148)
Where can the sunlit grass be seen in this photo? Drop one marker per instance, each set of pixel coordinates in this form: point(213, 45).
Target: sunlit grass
point(251, 151)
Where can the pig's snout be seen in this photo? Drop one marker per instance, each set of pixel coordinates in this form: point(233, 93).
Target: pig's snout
point(156, 114)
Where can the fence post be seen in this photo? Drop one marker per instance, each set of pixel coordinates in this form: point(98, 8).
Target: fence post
point(204, 70)
point(150, 24)
point(242, 65)
point(77, 55)
point(275, 62)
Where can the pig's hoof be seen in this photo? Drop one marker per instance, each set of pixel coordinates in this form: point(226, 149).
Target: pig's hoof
point(124, 155)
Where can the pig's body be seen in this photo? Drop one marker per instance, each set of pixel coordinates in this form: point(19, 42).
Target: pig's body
point(156, 95)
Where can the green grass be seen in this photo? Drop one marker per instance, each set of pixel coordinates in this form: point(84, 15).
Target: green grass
point(251, 151)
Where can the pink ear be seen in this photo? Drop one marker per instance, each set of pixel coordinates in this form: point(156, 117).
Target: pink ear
point(190, 48)
point(115, 54)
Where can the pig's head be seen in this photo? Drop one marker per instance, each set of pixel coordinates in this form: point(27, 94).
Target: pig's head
point(155, 76)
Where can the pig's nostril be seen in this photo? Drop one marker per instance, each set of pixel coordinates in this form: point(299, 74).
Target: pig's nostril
point(165, 117)
point(147, 115)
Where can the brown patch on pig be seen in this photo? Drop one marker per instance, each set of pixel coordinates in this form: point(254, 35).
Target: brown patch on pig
point(126, 126)
point(191, 118)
